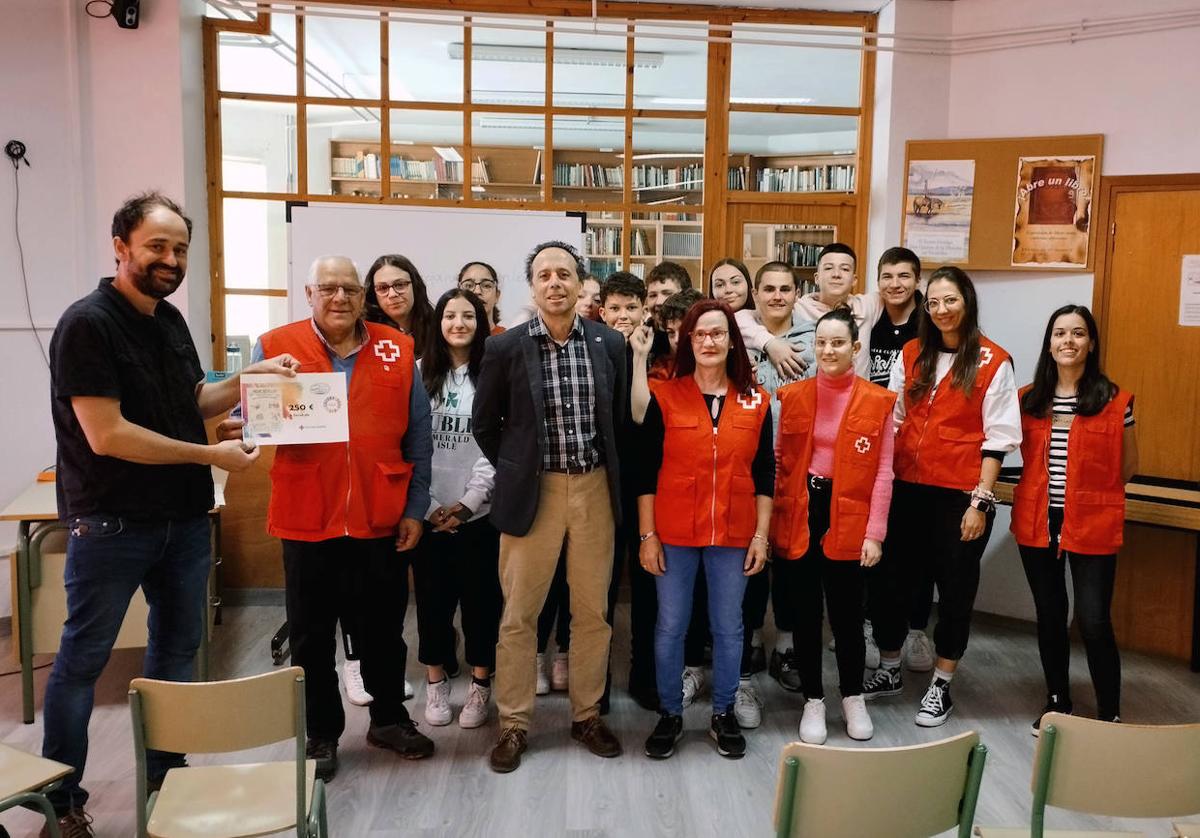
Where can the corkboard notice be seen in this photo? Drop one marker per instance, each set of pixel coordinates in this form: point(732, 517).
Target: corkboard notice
point(1032, 201)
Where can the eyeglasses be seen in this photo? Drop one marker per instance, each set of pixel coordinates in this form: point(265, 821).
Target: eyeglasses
point(478, 285)
point(328, 292)
point(716, 336)
point(946, 303)
point(384, 289)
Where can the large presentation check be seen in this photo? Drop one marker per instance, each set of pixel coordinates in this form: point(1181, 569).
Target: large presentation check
point(311, 407)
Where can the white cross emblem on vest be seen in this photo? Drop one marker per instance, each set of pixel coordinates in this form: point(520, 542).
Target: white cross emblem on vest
point(752, 402)
point(862, 445)
point(985, 356)
point(387, 351)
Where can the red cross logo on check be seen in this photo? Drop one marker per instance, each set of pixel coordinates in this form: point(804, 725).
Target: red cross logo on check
point(387, 351)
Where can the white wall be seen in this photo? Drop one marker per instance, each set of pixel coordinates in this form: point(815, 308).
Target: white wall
point(105, 113)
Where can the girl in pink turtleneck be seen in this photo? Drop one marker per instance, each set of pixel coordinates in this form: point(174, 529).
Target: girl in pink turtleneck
point(833, 489)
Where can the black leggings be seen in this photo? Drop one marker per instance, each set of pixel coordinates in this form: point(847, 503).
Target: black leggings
point(1092, 578)
point(925, 538)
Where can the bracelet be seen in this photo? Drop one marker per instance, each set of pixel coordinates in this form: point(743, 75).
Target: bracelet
point(757, 537)
point(983, 494)
point(983, 504)
point(645, 536)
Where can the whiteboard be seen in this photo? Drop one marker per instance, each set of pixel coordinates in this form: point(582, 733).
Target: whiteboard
point(438, 240)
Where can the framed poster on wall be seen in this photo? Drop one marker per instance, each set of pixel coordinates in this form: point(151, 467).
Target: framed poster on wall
point(1053, 211)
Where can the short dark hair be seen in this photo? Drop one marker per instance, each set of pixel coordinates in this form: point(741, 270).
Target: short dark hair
point(670, 272)
point(737, 362)
point(841, 314)
point(772, 268)
point(580, 270)
point(675, 307)
point(131, 213)
point(897, 256)
point(622, 282)
point(838, 247)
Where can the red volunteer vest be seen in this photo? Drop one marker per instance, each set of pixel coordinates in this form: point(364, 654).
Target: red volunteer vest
point(940, 442)
point(705, 494)
point(855, 466)
point(359, 489)
point(1094, 511)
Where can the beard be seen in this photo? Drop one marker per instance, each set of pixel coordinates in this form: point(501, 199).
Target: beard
point(151, 285)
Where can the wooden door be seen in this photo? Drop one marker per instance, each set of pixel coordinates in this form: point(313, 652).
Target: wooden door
point(1152, 223)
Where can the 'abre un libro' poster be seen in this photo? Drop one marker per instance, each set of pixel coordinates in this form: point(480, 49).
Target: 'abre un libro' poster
point(1053, 211)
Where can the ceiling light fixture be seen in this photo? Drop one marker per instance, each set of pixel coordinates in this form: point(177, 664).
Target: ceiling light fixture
point(562, 55)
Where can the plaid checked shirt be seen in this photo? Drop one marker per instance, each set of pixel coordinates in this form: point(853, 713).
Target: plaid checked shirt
point(568, 399)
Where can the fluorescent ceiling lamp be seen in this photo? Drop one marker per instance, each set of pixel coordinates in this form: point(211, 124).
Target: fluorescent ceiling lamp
point(562, 55)
point(560, 124)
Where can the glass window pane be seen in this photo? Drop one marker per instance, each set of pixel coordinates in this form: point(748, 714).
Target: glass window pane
point(667, 236)
point(225, 12)
point(259, 132)
point(589, 153)
point(341, 58)
point(668, 161)
point(422, 67)
point(771, 152)
point(248, 63)
point(344, 156)
point(248, 316)
point(589, 69)
point(255, 243)
point(506, 162)
point(669, 73)
point(807, 69)
point(508, 62)
point(426, 159)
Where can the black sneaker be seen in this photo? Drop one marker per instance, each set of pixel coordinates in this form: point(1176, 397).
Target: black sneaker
point(883, 682)
point(324, 751)
point(403, 738)
point(936, 705)
point(728, 735)
point(1053, 705)
point(661, 742)
point(784, 670)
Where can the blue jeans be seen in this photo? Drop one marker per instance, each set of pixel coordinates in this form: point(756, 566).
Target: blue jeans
point(726, 587)
point(108, 558)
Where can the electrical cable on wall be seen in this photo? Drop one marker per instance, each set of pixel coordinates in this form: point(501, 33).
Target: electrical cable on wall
point(15, 150)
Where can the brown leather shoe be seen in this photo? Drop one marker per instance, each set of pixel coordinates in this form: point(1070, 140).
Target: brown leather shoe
point(506, 756)
point(74, 824)
point(594, 733)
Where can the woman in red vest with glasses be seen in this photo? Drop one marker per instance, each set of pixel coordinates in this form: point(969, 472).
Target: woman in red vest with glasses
point(1079, 450)
point(957, 417)
point(832, 491)
point(708, 474)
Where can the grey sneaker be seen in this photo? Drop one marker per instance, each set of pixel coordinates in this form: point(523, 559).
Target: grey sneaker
point(883, 682)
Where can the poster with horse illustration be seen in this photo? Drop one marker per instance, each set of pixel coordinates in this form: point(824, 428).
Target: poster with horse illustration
point(937, 210)
point(1053, 211)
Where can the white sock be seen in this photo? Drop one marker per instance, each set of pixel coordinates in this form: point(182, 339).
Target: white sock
point(941, 674)
point(744, 679)
point(889, 663)
point(783, 642)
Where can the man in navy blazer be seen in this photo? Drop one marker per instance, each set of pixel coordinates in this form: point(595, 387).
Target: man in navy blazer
point(544, 410)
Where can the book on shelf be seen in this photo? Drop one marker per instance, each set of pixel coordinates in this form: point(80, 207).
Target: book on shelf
point(588, 175)
point(638, 269)
point(639, 244)
point(678, 216)
point(603, 241)
point(668, 177)
point(681, 245)
point(479, 171)
point(343, 167)
point(739, 177)
point(833, 178)
point(798, 254)
point(537, 169)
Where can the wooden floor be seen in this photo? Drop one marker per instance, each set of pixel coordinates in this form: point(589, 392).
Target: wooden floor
point(560, 789)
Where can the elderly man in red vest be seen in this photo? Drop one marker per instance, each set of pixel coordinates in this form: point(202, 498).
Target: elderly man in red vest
point(343, 510)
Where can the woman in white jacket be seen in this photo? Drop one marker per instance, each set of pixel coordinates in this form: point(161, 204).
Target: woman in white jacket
point(456, 561)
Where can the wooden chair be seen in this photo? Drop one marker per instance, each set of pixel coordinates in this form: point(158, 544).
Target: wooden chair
point(1187, 830)
point(25, 778)
point(910, 792)
point(224, 801)
point(1118, 770)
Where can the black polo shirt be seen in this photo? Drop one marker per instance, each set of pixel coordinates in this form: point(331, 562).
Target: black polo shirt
point(103, 346)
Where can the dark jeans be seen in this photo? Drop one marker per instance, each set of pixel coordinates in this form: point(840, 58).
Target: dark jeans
point(319, 575)
point(1092, 578)
point(556, 613)
point(925, 538)
point(842, 584)
point(108, 558)
point(454, 568)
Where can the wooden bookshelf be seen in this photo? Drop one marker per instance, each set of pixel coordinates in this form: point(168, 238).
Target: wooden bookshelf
point(796, 244)
point(808, 173)
point(653, 240)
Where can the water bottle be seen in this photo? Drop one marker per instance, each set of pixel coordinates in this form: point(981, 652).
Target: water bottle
point(233, 358)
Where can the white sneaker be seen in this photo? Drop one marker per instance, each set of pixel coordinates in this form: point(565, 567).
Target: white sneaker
point(560, 672)
point(353, 682)
point(437, 703)
point(543, 680)
point(693, 682)
point(918, 652)
point(475, 711)
point(747, 705)
point(408, 690)
point(812, 723)
point(858, 721)
point(872, 657)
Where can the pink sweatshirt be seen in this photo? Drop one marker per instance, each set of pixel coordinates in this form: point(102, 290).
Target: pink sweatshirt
point(833, 394)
